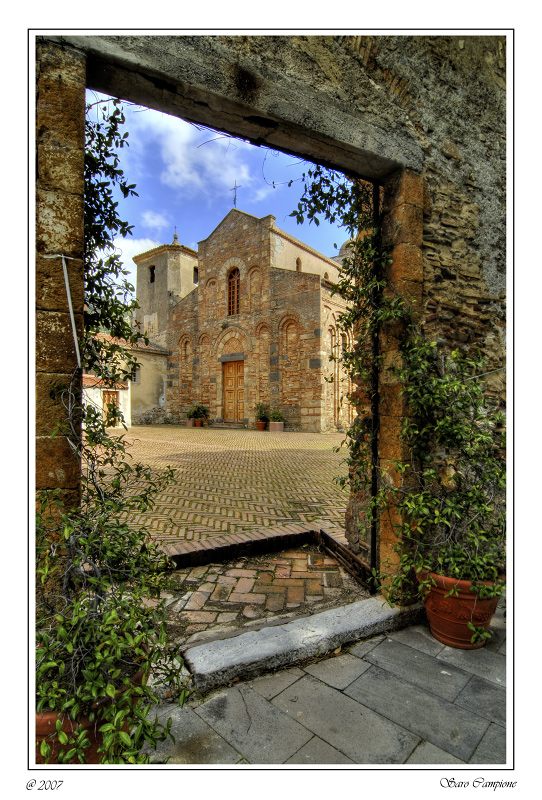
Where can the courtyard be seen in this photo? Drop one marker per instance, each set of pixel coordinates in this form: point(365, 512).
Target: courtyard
point(237, 480)
point(234, 483)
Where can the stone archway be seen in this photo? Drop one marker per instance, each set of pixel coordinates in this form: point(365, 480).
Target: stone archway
point(238, 85)
point(111, 69)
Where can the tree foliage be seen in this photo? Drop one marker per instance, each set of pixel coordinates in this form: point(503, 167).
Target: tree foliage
point(100, 620)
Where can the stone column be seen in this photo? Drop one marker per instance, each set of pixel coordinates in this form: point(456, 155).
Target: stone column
point(402, 237)
point(60, 144)
point(402, 232)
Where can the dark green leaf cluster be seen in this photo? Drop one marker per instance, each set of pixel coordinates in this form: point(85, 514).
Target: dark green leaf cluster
point(262, 412)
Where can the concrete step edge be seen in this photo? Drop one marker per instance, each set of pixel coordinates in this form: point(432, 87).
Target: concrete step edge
point(252, 653)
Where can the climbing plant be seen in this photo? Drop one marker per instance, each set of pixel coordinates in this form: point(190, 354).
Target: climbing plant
point(446, 497)
point(101, 649)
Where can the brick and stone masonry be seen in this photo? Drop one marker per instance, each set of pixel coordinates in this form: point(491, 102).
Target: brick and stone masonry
point(276, 341)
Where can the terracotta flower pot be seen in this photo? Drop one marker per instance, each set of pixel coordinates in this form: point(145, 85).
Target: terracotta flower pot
point(198, 423)
point(449, 616)
point(46, 729)
point(260, 424)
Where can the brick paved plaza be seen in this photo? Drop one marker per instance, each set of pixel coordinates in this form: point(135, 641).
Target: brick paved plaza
point(239, 480)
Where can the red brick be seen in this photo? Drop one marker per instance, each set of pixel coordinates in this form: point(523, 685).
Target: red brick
point(227, 580)
point(221, 592)
point(242, 573)
point(199, 616)
point(282, 572)
point(269, 589)
point(244, 585)
point(288, 581)
point(295, 594)
point(196, 601)
point(238, 597)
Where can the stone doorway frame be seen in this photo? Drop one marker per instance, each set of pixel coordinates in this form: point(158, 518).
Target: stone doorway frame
point(67, 66)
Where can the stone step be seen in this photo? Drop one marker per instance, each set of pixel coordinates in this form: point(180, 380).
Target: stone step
point(253, 653)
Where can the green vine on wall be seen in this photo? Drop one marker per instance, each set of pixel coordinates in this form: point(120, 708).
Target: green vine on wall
point(446, 497)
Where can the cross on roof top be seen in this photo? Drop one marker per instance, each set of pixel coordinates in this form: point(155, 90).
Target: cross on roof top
point(234, 190)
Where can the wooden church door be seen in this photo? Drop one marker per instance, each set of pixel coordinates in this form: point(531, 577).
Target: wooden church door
point(234, 391)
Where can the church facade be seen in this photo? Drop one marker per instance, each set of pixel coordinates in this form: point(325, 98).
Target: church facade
point(251, 318)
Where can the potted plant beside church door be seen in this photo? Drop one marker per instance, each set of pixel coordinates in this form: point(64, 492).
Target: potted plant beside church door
point(234, 391)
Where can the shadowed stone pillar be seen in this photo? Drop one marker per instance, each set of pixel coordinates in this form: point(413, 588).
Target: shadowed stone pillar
point(402, 237)
point(60, 143)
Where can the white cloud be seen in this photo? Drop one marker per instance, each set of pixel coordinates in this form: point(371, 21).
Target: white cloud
point(154, 221)
point(198, 161)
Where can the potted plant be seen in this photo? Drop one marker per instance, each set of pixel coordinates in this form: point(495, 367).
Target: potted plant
point(450, 495)
point(262, 415)
point(100, 624)
point(276, 420)
point(199, 413)
point(190, 418)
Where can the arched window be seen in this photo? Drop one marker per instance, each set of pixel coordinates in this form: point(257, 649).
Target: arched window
point(298, 264)
point(233, 292)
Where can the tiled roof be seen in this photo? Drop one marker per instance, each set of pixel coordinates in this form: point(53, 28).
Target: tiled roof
point(92, 382)
point(148, 348)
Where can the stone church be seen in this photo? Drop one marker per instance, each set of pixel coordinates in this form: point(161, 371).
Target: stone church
point(248, 318)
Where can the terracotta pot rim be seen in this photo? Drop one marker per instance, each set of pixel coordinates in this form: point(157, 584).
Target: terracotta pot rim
point(445, 582)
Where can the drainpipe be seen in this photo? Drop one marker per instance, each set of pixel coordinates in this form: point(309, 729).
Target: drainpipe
point(375, 399)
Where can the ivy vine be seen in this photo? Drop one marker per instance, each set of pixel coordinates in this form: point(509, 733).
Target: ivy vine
point(448, 491)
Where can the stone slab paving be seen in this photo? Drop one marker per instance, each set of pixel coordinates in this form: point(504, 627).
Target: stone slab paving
point(365, 703)
point(215, 663)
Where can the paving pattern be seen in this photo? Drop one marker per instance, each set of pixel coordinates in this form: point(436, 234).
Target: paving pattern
point(236, 485)
point(232, 481)
point(400, 698)
point(214, 600)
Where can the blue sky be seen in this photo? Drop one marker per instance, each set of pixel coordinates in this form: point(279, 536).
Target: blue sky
point(184, 177)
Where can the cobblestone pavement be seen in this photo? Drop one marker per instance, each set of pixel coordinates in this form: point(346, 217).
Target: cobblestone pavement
point(239, 480)
point(219, 599)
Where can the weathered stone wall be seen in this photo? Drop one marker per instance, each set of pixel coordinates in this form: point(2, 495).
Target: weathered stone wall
point(286, 252)
point(60, 104)
point(148, 393)
point(173, 278)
